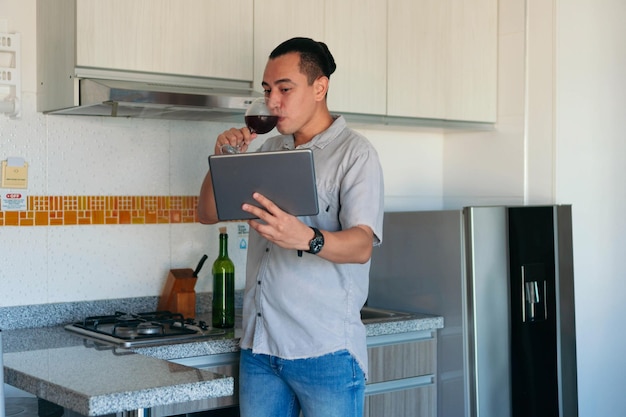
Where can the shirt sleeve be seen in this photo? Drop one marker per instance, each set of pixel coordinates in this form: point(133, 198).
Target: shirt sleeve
point(362, 192)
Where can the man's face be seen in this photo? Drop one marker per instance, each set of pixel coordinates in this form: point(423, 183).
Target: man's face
point(290, 97)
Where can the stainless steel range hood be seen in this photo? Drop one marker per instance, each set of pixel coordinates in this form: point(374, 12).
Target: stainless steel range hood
point(157, 100)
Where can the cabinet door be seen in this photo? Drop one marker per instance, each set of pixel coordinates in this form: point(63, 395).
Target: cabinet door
point(402, 360)
point(472, 61)
point(416, 402)
point(443, 59)
point(276, 21)
point(206, 38)
point(359, 46)
point(417, 58)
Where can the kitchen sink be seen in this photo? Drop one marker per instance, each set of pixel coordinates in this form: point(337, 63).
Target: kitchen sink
point(379, 315)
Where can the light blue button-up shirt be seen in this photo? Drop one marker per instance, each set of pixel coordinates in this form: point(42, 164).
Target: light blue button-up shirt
point(302, 307)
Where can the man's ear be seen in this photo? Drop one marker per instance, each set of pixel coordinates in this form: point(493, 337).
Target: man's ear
point(321, 87)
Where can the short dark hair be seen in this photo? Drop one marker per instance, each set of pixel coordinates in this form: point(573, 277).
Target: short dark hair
point(315, 58)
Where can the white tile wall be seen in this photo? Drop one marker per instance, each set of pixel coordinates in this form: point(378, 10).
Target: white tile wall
point(23, 265)
point(26, 138)
point(107, 156)
point(106, 261)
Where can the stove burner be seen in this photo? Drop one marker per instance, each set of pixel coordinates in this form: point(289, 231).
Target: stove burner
point(143, 329)
point(140, 329)
point(150, 328)
point(124, 331)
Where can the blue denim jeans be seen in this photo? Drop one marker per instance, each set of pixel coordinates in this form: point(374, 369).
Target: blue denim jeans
point(332, 385)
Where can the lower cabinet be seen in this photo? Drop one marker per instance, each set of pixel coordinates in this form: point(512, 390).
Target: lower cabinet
point(402, 375)
point(401, 380)
point(403, 403)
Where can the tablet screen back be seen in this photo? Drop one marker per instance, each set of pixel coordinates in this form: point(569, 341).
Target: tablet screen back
point(285, 177)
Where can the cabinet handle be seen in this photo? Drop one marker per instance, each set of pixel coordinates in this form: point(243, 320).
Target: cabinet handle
point(399, 384)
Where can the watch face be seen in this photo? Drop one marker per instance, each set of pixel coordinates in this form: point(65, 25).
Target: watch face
point(316, 244)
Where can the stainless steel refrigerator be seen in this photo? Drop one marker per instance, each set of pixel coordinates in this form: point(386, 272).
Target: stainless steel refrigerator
point(502, 278)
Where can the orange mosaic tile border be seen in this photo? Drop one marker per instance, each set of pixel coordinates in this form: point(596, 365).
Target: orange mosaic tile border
point(86, 210)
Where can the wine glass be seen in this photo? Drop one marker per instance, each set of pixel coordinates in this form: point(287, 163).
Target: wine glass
point(259, 120)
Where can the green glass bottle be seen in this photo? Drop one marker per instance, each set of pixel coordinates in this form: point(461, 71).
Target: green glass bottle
point(223, 308)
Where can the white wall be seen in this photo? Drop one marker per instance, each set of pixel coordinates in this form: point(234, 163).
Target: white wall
point(591, 174)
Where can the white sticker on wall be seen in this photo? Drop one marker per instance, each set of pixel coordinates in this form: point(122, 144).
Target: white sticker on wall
point(242, 234)
point(13, 202)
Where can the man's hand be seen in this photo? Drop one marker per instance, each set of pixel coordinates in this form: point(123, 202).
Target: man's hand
point(278, 226)
point(353, 245)
point(238, 138)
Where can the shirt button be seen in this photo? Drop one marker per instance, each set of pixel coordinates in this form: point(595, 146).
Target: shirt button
point(258, 282)
point(258, 314)
point(267, 249)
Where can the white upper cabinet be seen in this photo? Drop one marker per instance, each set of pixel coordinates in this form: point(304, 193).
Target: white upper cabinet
point(276, 21)
point(432, 59)
point(356, 33)
point(203, 38)
point(472, 61)
point(417, 58)
point(442, 59)
point(358, 44)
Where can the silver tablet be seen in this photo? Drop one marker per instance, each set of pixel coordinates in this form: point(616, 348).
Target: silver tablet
point(285, 177)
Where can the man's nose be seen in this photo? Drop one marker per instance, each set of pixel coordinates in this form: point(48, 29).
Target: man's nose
point(272, 103)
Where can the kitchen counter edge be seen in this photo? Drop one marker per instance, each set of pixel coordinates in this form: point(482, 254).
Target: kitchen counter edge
point(230, 342)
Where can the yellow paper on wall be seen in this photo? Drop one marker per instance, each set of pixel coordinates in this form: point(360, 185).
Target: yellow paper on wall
point(14, 175)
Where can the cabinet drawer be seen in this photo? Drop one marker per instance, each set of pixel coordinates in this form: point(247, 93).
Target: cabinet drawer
point(417, 402)
point(402, 360)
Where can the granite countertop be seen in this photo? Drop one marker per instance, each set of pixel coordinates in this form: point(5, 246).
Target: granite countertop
point(94, 379)
point(230, 342)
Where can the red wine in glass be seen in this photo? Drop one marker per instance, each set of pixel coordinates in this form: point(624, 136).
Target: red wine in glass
point(261, 124)
point(259, 120)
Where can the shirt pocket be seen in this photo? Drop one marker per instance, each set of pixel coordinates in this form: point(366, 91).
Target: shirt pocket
point(328, 216)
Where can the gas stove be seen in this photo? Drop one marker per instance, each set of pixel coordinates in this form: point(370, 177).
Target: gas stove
point(143, 329)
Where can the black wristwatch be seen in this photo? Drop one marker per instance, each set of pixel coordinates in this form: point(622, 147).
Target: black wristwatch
point(317, 243)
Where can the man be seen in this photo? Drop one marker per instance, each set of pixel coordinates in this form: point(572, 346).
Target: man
point(303, 345)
